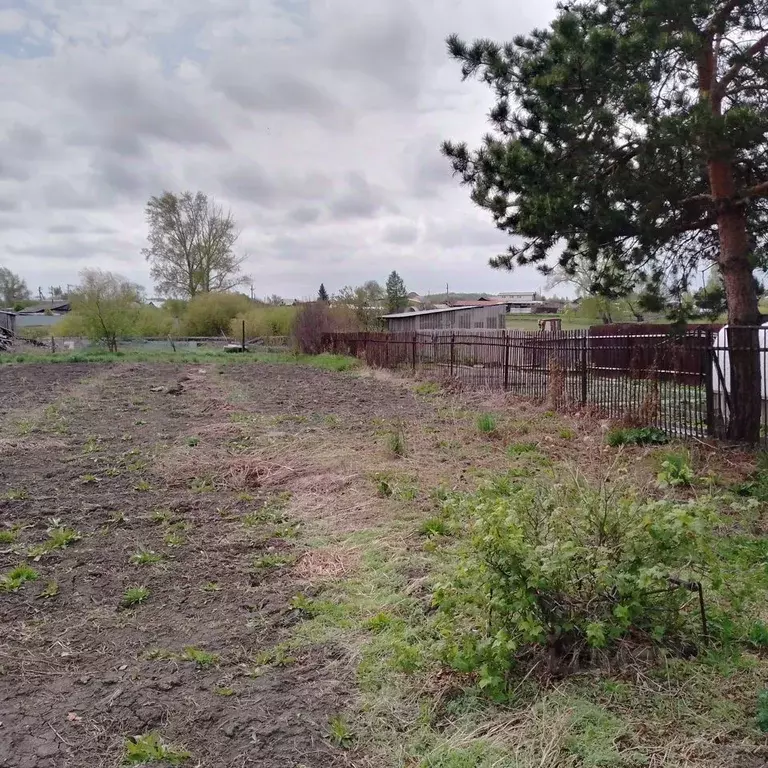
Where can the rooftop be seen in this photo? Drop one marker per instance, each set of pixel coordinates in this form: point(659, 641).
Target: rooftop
point(447, 309)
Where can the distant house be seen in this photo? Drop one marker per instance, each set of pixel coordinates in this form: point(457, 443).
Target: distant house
point(43, 313)
point(487, 317)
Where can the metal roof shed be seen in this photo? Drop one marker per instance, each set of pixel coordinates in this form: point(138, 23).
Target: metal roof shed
point(486, 317)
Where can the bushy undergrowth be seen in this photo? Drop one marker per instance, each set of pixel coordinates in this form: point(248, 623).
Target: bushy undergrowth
point(265, 321)
point(637, 436)
point(562, 568)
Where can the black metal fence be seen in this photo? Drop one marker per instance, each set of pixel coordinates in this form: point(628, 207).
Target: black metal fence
point(678, 381)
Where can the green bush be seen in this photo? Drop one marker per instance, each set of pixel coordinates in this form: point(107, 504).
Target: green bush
point(264, 321)
point(562, 568)
point(675, 471)
point(151, 322)
point(637, 436)
point(211, 314)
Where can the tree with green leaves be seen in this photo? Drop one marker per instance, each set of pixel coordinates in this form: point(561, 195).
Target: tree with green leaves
point(397, 295)
point(366, 302)
point(105, 308)
point(13, 289)
point(191, 245)
point(633, 132)
point(322, 294)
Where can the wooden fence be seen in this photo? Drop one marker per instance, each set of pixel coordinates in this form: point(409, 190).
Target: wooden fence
point(661, 378)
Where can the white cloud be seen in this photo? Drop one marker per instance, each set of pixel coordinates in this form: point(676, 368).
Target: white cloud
point(318, 123)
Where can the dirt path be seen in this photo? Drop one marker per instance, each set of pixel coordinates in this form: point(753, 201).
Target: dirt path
point(207, 499)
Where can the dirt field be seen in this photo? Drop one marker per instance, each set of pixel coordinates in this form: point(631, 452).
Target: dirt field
point(232, 559)
point(185, 479)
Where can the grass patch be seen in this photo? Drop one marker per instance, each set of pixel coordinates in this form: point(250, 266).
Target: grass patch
point(17, 494)
point(134, 596)
point(15, 579)
point(145, 557)
point(487, 424)
point(200, 658)
point(520, 449)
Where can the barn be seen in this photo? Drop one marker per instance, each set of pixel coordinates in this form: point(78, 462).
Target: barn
point(486, 316)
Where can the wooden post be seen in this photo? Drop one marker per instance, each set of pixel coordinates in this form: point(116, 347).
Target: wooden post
point(414, 352)
point(706, 356)
point(453, 343)
point(243, 335)
point(53, 345)
point(386, 351)
point(584, 380)
point(506, 360)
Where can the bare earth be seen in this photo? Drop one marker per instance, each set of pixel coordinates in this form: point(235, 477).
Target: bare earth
point(109, 453)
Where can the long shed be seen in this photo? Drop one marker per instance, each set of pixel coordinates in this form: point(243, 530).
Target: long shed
point(486, 316)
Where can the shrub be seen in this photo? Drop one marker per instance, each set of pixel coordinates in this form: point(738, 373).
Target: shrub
point(264, 321)
point(562, 568)
point(317, 318)
point(642, 436)
point(487, 424)
point(151, 321)
point(675, 471)
point(211, 314)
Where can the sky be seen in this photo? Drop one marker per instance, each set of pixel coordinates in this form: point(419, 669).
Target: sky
point(318, 123)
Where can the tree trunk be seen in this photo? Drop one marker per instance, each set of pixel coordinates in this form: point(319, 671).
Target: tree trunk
point(743, 313)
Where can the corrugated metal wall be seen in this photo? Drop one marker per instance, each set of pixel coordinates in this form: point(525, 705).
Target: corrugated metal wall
point(474, 318)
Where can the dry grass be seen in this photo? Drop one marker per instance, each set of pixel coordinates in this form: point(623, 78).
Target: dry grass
point(328, 563)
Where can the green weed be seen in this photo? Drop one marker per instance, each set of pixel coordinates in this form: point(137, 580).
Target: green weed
point(211, 586)
point(435, 526)
point(277, 656)
point(134, 596)
point(150, 748)
point(145, 557)
point(9, 536)
point(339, 732)
point(202, 659)
point(224, 691)
point(762, 711)
point(273, 560)
point(89, 479)
point(518, 449)
point(161, 516)
point(675, 471)
point(17, 494)
point(17, 578)
point(142, 486)
point(193, 441)
point(636, 436)
point(202, 485)
point(567, 434)
point(427, 389)
point(487, 424)
point(396, 442)
point(50, 590)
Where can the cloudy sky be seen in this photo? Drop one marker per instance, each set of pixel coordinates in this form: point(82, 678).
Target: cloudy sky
point(317, 121)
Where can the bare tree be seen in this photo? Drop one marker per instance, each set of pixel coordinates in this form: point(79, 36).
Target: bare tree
point(191, 242)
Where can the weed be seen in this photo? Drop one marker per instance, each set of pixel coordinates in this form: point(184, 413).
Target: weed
point(89, 479)
point(139, 423)
point(59, 537)
point(145, 557)
point(193, 441)
point(396, 442)
point(202, 659)
point(223, 691)
point(762, 711)
point(567, 434)
point(134, 596)
point(276, 656)
point(339, 732)
point(675, 471)
point(150, 748)
point(142, 486)
point(91, 445)
point(641, 436)
point(302, 604)
point(51, 589)
point(9, 536)
point(487, 424)
point(435, 526)
point(17, 494)
point(273, 561)
point(384, 487)
point(161, 516)
point(758, 635)
point(427, 389)
point(16, 578)
point(211, 586)
point(118, 518)
point(202, 485)
point(112, 472)
point(246, 497)
point(518, 449)
point(379, 623)
point(174, 539)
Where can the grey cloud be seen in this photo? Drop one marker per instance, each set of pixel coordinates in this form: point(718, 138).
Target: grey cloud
point(401, 234)
point(304, 215)
point(249, 183)
point(360, 200)
point(21, 148)
point(471, 233)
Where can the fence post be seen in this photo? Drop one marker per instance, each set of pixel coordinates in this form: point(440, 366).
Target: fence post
point(386, 351)
point(243, 335)
point(53, 345)
point(506, 360)
point(453, 342)
point(709, 383)
point(584, 381)
point(414, 351)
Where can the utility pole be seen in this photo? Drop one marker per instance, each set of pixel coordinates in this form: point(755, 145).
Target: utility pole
point(447, 294)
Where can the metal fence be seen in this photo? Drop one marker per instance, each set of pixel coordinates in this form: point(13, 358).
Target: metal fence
point(678, 381)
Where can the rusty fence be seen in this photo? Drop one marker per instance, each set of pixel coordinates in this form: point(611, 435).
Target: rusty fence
point(678, 381)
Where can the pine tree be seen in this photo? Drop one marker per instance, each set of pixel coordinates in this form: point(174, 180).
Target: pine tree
point(322, 294)
point(634, 132)
point(397, 295)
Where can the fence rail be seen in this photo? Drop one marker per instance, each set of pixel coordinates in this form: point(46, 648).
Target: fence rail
point(678, 381)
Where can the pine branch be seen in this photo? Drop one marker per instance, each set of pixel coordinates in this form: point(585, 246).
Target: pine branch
point(717, 24)
point(733, 72)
